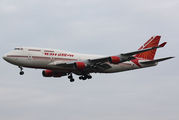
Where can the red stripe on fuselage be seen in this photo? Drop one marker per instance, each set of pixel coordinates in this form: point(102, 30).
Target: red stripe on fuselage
point(16, 56)
point(48, 51)
point(43, 58)
point(34, 50)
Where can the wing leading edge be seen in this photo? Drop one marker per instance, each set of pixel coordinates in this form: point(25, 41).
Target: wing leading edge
point(156, 60)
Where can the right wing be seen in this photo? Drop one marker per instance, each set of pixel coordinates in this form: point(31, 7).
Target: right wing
point(127, 56)
point(99, 64)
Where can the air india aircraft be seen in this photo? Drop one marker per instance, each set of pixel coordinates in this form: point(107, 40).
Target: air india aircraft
point(58, 63)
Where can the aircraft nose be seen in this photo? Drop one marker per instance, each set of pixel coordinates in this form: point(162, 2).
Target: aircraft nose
point(4, 57)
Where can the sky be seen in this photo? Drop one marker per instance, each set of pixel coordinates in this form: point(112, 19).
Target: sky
point(99, 27)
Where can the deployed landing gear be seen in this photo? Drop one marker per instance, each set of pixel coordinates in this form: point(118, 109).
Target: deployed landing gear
point(85, 76)
point(72, 80)
point(71, 77)
point(21, 72)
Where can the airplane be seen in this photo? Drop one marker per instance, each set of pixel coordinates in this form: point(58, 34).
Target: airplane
point(58, 63)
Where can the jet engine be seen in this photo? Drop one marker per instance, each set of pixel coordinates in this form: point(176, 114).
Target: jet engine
point(114, 59)
point(50, 73)
point(57, 74)
point(47, 73)
point(79, 65)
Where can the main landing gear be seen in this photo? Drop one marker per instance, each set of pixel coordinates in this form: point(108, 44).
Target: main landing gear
point(83, 77)
point(21, 72)
point(71, 77)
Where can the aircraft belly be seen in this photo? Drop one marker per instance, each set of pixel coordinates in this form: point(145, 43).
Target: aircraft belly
point(119, 68)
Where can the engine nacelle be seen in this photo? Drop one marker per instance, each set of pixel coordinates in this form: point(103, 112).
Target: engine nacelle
point(47, 73)
point(79, 65)
point(57, 74)
point(114, 59)
point(50, 73)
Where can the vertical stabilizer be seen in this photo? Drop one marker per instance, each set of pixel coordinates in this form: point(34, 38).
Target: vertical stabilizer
point(152, 42)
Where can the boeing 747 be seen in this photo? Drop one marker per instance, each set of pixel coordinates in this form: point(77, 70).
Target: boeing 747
point(58, 63)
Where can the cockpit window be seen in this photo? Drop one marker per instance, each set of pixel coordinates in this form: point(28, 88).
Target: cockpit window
point(18, 49)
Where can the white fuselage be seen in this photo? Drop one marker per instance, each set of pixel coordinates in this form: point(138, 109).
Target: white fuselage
point(43, 58)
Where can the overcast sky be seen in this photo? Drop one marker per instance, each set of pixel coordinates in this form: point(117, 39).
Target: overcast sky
point(104, 27)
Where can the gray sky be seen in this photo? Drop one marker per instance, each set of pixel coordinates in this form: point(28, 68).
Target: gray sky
point(94, 27)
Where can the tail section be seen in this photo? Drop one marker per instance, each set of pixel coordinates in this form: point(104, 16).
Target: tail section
point(152, 42)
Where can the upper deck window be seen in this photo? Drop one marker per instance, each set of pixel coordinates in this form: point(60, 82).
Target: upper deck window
point(18, 49)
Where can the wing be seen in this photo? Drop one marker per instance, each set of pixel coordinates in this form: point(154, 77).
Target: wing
point(126, 56)
point(156, 60)
point(99, 64)
point(90, 65)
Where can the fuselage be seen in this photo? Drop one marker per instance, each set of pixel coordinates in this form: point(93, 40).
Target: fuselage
point(44, 58)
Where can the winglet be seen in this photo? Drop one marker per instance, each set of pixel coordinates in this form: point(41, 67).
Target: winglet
point(163, 44)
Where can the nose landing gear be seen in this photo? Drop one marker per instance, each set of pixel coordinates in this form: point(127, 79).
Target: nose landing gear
point(21, 72)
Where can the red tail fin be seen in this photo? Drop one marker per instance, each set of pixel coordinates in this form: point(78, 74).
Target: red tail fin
point(152, 42)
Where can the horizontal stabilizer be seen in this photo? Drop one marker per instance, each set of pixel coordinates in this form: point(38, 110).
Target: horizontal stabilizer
point(156, 60)
point(163, 44)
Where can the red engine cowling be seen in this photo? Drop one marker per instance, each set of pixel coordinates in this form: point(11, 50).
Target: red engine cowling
point(47, 73)
point(114, 59)
point(57, 75)
point(50, 73)
point(79, 65)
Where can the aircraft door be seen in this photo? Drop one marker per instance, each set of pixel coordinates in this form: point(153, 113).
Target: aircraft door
point(79, 58)
point(42, 51)
point(29, 57)
point(52, 59)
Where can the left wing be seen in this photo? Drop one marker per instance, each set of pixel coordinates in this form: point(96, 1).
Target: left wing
point(87, 64)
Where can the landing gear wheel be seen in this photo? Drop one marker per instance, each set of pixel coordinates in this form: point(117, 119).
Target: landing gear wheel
point(72, 80)
point(89, 77)
point(85, 76)
point(21, 73)
point(69, 77)
point(81, 77)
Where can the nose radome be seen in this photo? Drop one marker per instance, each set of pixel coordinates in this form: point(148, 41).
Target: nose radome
point(4, 57)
